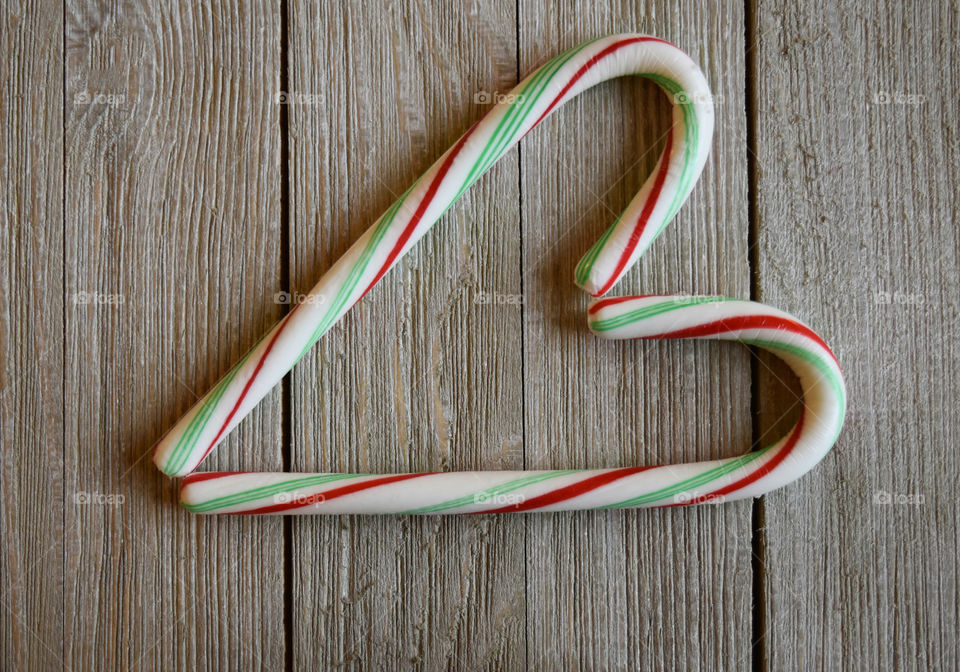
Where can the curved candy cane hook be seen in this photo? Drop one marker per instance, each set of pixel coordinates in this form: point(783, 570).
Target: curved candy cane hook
point(407, 220)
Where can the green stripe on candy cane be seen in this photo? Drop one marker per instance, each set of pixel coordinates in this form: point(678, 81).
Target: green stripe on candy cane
point(811, 356)
point(671, 304)
point(516, 114)
point(690, 483)
point(545, 72)
point(348, 288)
point(822, 365)
point(490, 493)
point(253, 494)
point(541, 78)
point(691, 140)
point(200, 420)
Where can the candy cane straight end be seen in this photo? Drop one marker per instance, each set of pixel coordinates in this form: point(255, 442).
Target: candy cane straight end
point(165, 452)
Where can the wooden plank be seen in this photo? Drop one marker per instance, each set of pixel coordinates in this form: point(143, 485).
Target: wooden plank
point(856, 149)
point(420, 375)
point(660, 588)
point(31, 336)
point(172, 220)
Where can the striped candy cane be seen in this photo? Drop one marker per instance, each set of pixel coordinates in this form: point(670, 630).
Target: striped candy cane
point(651, 317)
point(411, 216)
point(687, 145)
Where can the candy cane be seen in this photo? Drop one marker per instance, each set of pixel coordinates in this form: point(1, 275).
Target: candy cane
point(687, 145)
point(412, 215)
point(651, 317)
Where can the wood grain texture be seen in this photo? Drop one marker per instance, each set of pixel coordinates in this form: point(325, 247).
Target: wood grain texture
point(172, 213)
point(31, 336)
point(856, 150)
point(634, 589)
point(143, 234)
point(423, 374)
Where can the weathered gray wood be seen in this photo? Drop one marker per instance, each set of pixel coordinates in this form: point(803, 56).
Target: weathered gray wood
point(171, 210)
point(660, 588)
point(857, 149)
point(31, 337)
point(172, 205)
point(419, 376)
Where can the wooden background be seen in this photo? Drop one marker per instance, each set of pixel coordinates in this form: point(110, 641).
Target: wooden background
point(157, 195)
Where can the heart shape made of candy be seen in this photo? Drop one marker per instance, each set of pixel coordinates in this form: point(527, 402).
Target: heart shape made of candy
point(186, 445)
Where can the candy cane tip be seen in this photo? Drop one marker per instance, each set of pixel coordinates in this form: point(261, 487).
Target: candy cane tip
point(186, 496)
point(159, 458)
point(191, 494)
point(592, 288)
point(162, 461)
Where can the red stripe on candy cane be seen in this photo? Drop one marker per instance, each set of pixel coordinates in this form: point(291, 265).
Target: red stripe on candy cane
point(616, 46)
point(421, 209)
point(246, 387)
point(569, 491)
point(644, 217)
point(740, 322)
point(327, 495)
